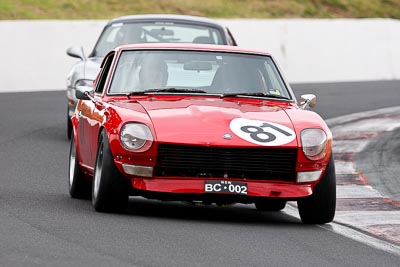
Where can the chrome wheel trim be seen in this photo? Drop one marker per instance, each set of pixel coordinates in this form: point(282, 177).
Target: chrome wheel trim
point(72, 158)
point(97, 172)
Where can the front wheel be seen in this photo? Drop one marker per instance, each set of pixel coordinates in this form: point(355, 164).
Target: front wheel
point(319, 208)
point(69, 125)
point(79, 185)
point(109, 189)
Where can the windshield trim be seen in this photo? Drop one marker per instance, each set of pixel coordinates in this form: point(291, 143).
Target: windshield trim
point(216, 27)
point(219, 96)
point(286, 85)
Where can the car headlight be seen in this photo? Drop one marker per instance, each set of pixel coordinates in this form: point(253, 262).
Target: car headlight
point(136, 137)
point(314, 143)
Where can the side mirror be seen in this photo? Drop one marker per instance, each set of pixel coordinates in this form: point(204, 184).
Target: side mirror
point(308, 100)
point(83, 92)
point(77, 52)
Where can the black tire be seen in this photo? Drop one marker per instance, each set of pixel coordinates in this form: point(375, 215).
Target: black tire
point(270, 205)
point(69, 127)
point(319, 208)
point(110, 188)
point(79, 185)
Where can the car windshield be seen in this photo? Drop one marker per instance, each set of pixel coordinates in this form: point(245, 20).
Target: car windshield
point(197, 72)
point(157, 32)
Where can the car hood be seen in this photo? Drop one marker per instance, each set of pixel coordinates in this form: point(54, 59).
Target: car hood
point(220, 122)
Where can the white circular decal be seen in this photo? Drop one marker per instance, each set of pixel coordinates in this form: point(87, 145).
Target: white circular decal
point(262, 133)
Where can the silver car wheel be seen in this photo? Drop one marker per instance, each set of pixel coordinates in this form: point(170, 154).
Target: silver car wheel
point(97, 172)
point(72, 157)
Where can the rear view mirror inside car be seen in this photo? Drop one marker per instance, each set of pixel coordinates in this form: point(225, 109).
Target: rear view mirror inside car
point(197, 65)
point(161, 32)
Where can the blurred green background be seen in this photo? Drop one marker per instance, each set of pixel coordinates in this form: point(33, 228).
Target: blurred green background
point(107, 9)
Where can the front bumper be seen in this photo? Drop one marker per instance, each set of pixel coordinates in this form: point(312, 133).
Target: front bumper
point(196, 186)
point(179, 182)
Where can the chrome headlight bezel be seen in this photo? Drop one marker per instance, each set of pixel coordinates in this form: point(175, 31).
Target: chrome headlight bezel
point(314, 143)
point(136, 137)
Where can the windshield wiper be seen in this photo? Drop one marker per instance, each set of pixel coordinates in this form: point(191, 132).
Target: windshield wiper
point(277, 96)
point(243, 94)
point(135, 93)
point(174, 90)
point(166, 90)
point(259, 94)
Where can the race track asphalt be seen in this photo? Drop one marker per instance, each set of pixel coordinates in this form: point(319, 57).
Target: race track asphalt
point(380, 161)
point(337, 99)
point(42, 226)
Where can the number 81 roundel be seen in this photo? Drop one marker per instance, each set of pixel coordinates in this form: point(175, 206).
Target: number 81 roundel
point(262, 133)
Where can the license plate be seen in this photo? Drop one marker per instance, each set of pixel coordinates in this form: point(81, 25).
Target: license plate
point(225, 187)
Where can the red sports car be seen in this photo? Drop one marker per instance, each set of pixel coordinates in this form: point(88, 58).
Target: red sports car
point(200, 123)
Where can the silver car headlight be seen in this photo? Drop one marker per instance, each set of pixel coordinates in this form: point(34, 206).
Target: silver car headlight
point(314, 143)
point(136, 137)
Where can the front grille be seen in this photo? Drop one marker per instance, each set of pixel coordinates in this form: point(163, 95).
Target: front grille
point(215, 162)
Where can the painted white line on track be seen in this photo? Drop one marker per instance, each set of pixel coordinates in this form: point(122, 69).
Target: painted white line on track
point(353, 133)
point(349, 146)
point(357, 191)
point(367, 218)
point(361, 115)
point(368, 125)
point(344, 167)
point(351, 233)
point(362, 238)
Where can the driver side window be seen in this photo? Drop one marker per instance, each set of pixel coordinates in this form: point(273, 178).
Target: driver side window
point(102, 76)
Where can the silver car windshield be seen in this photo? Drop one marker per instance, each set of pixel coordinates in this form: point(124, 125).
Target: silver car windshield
point(157, 32)
point(198, 72)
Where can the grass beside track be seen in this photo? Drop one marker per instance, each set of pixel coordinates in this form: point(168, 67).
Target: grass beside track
point(107, 9)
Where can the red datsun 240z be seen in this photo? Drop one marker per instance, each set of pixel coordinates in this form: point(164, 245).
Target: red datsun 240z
point(200, 123)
